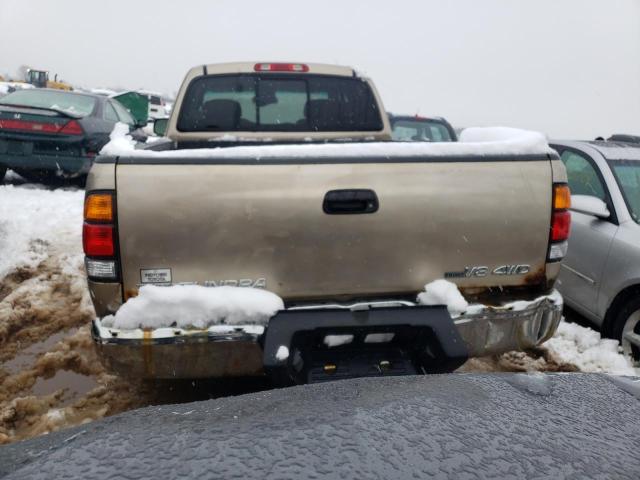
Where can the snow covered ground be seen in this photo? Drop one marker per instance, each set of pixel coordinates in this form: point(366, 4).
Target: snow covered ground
point(50, 376)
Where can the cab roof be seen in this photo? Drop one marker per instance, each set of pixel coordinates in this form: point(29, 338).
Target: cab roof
point(252, 67)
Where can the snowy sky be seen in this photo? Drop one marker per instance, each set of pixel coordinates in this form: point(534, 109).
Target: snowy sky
point(568, 68)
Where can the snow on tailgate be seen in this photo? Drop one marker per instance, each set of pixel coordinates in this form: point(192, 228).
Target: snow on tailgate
point(483, 141)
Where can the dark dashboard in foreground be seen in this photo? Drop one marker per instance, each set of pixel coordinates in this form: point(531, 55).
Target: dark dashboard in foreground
point(446, 426)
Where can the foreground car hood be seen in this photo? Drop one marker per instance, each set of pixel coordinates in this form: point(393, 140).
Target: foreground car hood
point(477, 426)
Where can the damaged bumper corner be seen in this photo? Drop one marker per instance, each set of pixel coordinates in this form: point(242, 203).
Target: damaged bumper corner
point(245, 350)
point(517, 326)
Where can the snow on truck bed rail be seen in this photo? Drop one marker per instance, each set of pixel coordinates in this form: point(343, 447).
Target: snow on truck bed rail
point(477, 141)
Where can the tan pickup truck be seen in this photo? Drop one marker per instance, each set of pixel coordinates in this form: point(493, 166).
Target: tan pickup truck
point(283, 177)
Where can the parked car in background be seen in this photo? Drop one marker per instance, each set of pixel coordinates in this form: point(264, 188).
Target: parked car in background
point(406, 128)
point(621, 137)
point(47, 134)
point(600, 276)
point(156, 105)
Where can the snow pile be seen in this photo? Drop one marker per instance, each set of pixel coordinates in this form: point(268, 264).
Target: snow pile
point(485, 141)
point(588, 351)
point(120, 141)
point(6, 87)
point(504, 136)
point(107, 92)
point(195, 306)
point(282, 354)
point(36, 223)
point(442, 292)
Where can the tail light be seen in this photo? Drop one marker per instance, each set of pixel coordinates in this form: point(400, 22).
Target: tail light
point(280, 67)
point(560, 222)
point(560, 226)
point(98, 207)
point(29, 126)
point(97, 240)
point(99, 236)
point(72, 127)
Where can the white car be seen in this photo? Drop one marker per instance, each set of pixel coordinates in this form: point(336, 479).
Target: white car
point(156, 105)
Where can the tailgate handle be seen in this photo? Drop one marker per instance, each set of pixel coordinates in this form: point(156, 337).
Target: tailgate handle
point(349, 202)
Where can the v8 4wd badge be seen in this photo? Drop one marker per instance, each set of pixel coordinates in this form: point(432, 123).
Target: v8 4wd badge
point(483, 271)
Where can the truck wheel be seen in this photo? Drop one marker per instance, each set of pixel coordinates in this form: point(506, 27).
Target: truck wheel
point(3, 172)
point(626, 328)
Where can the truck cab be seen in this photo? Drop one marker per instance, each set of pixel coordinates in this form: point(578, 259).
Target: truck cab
point(276, 103)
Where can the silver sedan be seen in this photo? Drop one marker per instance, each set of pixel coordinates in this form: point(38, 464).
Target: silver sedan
point(600, 276)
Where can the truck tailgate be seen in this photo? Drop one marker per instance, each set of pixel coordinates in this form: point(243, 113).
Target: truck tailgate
point(221, 223)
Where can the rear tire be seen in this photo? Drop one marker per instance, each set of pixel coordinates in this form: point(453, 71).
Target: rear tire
point(3, 172)
point(626, 322)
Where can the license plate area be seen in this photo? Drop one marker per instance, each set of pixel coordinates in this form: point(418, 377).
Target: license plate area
point(18, 148)
point(359, 358)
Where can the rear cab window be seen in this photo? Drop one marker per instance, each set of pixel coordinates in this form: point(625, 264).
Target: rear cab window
point(279, 103)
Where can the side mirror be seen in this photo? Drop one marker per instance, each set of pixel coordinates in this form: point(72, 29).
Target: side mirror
point(160, 126)
point(590, 206)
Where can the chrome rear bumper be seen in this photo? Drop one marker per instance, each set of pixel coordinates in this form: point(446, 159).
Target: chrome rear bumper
point(224, 351)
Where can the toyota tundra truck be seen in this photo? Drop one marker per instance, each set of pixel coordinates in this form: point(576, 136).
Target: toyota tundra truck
point(283, 177)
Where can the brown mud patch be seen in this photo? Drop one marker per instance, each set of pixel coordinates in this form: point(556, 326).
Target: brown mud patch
point(50, 376)
point(535, 360)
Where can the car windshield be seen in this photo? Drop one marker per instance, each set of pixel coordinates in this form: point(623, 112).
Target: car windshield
point(256, 103)
point(627, 174)
point(420, 130)
point(73, 103)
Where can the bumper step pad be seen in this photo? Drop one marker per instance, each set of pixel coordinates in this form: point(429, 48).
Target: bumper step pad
point(424, 340)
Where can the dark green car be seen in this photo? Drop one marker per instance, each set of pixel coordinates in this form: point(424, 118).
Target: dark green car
point(51, 134)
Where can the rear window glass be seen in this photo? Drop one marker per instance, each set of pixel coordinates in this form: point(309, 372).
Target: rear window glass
point(155, 100)
point(279, 103)
point(73, 103)
point(125, 116)
point(419, 131)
